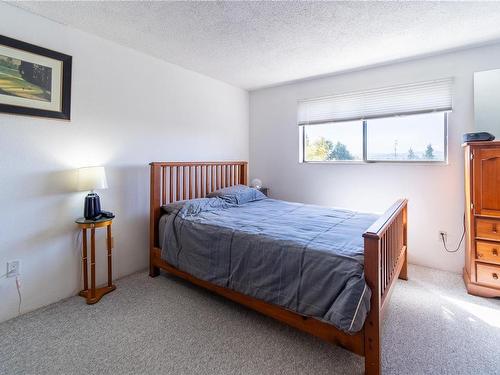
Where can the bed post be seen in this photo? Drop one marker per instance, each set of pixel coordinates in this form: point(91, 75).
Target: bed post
point(244, 173)
point(372, 329)
point(404, 269)
point(154, 215)
point(385, 261)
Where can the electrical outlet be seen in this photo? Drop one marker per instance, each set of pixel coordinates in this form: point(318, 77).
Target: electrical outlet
point(443, 234)
point(13, 268)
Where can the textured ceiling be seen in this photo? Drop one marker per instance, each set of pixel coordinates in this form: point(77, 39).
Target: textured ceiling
point(256, 44)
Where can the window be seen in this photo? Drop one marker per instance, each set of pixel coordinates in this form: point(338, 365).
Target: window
point(333, 141)
point(406, 123)
point(410, 138)
point(417, 138)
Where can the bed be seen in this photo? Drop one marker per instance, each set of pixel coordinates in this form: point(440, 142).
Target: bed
point(328, 272)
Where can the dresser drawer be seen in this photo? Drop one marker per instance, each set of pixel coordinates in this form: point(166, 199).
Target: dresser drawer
point(488, 274)
point(488, 251)
point(487, 228)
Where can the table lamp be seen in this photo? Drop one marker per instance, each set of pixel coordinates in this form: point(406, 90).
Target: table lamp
point(92, 178)
point(256, 183)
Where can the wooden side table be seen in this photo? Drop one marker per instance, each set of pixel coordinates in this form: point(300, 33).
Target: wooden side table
point(93, 295)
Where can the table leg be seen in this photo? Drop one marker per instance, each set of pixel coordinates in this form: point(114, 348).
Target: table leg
point(84, 260)
point(92, 263)
point(109, 238)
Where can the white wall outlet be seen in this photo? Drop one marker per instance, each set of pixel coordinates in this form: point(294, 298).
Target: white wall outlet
point(443, 234)
point(13, 268)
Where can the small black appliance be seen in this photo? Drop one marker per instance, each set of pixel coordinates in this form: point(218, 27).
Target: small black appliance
point(477, 137)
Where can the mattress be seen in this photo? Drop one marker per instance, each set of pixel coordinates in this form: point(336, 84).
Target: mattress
point(305, 258)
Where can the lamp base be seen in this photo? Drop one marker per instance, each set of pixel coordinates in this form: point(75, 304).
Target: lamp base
point(92, 207)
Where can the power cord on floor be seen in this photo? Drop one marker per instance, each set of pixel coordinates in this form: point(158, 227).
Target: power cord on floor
point(459, 244)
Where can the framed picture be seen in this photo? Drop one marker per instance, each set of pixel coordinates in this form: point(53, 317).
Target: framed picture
point(34, 81)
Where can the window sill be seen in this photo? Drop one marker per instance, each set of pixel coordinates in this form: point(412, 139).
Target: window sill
point(361, 162)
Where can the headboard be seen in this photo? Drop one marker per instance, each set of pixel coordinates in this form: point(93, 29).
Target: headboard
point(175, 181)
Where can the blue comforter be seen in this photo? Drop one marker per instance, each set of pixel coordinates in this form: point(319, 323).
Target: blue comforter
point(305, 258)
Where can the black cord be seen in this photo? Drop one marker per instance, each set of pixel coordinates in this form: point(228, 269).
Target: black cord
point(459, 244)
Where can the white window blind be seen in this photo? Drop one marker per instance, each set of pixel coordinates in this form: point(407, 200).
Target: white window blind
point(421, 97)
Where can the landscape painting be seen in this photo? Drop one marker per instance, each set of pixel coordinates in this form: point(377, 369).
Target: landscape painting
point(33, 80)
point(25, 79)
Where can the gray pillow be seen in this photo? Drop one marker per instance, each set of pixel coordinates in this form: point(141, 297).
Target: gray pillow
point(193, 207)
point(238, 194)
point(170, 208)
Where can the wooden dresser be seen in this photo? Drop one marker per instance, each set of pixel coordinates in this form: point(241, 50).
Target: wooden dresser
point(482, 215)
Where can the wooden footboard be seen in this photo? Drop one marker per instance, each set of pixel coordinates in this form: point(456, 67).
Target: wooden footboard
point(385, 253)
point(385, 261)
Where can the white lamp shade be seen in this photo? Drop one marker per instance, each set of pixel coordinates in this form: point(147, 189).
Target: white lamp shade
point(92, 178)
point(256, 183)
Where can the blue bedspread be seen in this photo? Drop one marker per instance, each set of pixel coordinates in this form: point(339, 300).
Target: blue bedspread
point(305, 258)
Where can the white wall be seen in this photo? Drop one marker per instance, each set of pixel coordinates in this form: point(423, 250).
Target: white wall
point(486, 94)
point(435, 193)
point(127, 109)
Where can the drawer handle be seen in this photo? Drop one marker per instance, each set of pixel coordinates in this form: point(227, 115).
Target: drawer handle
point(494, 252)
point(494, 229)
point(495, 276)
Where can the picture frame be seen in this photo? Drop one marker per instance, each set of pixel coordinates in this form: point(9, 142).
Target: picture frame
point(34, 81)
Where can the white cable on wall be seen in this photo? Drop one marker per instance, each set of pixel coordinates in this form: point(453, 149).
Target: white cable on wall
point(18, 287)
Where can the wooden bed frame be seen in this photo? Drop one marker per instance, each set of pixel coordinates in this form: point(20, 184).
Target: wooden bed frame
point(385, 253)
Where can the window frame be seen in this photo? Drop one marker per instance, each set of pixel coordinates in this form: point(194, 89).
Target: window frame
point(365, 160)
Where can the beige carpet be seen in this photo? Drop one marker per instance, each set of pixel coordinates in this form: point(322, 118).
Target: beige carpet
point(164, 325)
